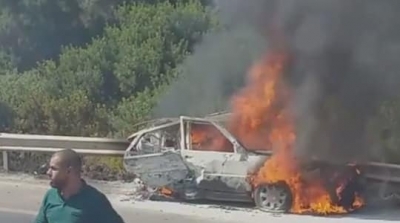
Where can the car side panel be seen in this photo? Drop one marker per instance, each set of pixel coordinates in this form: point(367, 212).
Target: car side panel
point(158, 169)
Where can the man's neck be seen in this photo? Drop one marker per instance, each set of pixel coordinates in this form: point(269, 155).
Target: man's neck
point(72, 188)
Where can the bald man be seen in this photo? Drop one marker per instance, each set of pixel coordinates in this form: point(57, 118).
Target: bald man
point(71, 200)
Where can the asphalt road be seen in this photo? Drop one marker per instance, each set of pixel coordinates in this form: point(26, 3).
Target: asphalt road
point(21, 197)
point(9, 217)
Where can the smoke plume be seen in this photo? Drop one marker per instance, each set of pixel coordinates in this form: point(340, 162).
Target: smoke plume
point(217, 67)
point(344, 62)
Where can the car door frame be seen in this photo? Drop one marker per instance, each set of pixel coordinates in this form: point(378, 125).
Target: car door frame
point(140, 163)
point(215, 166)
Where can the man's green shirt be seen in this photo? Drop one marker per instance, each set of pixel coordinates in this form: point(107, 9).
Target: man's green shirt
point(88, 206)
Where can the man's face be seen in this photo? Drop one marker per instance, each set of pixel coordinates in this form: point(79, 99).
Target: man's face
point(58, 173)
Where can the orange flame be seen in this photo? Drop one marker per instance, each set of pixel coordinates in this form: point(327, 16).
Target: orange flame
point(166, 191)
point(208, 138)
point(261, 120)
point(257, 109)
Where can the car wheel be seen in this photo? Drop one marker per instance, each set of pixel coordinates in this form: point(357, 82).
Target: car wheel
point(275, 197)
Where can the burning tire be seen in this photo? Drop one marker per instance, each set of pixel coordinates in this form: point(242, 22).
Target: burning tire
point(273, 197)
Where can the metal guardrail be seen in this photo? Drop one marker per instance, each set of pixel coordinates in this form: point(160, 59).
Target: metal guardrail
point(51, 144)
point(384, 165)
point(117, 147)
point(381, 172)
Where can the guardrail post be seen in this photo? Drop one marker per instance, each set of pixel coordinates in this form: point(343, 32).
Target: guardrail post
point(5, 160)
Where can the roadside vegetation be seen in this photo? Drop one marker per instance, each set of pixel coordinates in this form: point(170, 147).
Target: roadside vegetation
point(90, 68)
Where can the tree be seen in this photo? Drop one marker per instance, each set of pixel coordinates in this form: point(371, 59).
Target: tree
point(88, 72)
point(137, 54)
point(36, 30)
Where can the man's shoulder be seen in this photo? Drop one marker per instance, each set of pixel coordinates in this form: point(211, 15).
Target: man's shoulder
point(102, 205)
point(94, 192)
point(50, 195)
point(96, 198)
point(51, 192)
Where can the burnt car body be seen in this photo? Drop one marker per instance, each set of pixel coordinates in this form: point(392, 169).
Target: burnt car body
point(164, 155)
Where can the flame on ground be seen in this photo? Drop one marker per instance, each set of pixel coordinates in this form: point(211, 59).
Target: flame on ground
point(166, 191)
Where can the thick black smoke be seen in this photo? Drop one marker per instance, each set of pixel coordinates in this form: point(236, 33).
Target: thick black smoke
point(345, 58)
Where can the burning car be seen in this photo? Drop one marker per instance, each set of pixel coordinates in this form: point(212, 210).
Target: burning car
point(198, 158)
